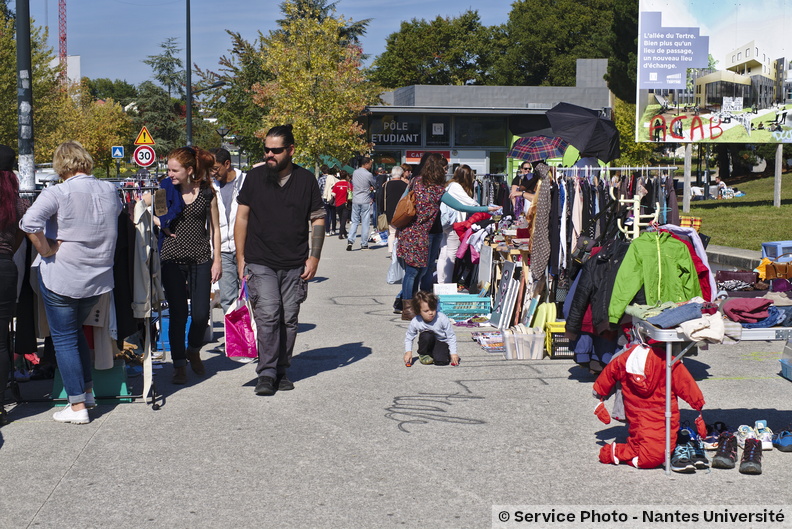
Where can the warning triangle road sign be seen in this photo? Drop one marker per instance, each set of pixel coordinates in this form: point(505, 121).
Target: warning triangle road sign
point(144, 137)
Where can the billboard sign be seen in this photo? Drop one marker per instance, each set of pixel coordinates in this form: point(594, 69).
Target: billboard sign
point(713, 71)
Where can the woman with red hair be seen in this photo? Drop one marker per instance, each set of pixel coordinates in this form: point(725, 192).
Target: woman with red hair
point(190, 264)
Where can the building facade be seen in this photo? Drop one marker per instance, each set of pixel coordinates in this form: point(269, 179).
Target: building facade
point(474, 125)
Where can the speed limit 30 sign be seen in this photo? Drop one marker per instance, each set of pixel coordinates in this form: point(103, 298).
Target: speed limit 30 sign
point(144, 155)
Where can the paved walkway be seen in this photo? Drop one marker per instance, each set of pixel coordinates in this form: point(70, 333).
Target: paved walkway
point(365, 442)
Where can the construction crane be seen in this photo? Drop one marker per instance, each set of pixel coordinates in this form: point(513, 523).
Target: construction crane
point(62, 54)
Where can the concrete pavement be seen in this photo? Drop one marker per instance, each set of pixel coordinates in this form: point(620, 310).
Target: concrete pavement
point(365, 442)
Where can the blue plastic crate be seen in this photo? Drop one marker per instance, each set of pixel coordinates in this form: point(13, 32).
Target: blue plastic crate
point(464, 305)
point(772, 250)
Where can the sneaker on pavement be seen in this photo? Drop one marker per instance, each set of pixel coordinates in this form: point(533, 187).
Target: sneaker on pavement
point(744, 432)
point(265, 386)
point(783, 441)
point(764, 434)
point(284, 384)
point(687, 437)
point(364, 247)
point(349, 247)
point(426, 359)
point(726, 457)
point(67, 414)
point(751, 462)
point(713, 433)
point(681, 460)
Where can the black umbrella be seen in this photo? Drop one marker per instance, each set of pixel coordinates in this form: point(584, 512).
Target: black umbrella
point(586, 130)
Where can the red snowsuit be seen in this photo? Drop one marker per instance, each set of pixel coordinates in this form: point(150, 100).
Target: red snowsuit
point(641, 371)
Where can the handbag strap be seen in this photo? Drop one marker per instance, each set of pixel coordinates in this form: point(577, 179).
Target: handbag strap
point(243, 291)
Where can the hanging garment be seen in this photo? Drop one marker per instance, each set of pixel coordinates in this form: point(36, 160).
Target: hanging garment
point(540, 238)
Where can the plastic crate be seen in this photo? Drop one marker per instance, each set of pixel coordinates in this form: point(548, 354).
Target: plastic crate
point(558, 345)
point(464, 305)
point(772, 250)
point(786, 368)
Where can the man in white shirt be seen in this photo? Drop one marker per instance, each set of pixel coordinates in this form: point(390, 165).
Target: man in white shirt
point(227, 183)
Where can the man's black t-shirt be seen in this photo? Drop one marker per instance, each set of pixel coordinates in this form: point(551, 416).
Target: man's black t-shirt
point(277, 231)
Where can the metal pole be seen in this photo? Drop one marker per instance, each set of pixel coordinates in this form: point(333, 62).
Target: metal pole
point(686, 187)
point(188, 79)
point(777, 181)
point(27, 166)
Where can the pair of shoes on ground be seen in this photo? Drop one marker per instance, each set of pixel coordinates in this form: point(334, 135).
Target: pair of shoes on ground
point(689, 454)
point(726, 457)
point(267, 386)
point(70, 415)
point(759, 431)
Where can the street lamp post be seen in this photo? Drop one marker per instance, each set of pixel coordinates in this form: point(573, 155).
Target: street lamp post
point(222, 132)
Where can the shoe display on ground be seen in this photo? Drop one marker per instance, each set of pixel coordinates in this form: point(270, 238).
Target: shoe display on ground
point(744, 432)
point(751, 462)
point(783, 441)
point(726, 457)
point(284, 384)
point(681, 460)
point(265, 386)
point(67, 414)
point(764, 434)
point(713, 433)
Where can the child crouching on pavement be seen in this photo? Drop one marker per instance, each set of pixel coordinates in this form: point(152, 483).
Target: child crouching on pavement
point(436, 338)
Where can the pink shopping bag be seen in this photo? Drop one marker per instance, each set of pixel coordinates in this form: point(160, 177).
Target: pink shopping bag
point(240, 329)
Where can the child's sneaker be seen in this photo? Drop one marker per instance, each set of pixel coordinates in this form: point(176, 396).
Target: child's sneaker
point(744, 432)
point(687, 437)
point(713, 433)
point(426, 359)
point(751, 462)
point(681, 460)
point(783, 441)
point(764, 434)
point(726, 457)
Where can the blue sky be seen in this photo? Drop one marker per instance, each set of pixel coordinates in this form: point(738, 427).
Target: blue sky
point(113, 37)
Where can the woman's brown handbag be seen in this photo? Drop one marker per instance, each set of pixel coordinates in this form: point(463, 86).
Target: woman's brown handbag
point(776, 270)
point(405, 211)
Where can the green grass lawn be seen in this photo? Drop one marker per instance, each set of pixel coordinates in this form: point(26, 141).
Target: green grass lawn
point(748, 221)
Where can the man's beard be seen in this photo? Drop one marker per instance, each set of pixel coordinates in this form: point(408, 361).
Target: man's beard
point(271, 176)
point(280, 166)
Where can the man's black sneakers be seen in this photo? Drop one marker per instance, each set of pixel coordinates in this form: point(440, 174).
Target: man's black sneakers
point(265, 386)
point(751, 462)
point(284, 384)
point(726, 456)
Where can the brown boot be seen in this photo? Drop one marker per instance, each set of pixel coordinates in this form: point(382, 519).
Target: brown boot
point(194, 356)
point(407, 311)
point(179, 375)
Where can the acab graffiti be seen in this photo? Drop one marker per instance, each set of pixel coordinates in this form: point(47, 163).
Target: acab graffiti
point(661, 129)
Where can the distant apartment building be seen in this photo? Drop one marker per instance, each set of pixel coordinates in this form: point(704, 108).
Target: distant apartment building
point(750, 73)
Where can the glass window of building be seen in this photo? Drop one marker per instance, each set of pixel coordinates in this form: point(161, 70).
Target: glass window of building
point(479, 131)
point(497, 162)
point(438, 131)
point(747, 52)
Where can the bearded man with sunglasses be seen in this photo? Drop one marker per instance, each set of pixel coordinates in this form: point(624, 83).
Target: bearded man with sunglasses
point(276, 204)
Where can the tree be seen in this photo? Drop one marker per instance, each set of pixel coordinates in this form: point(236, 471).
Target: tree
point(162, 116)
point(632, 153)
point(320, 10)
point(444, 51)
point(318, 86)
point(233, 104)
point(168, 68)
point(623, 39)
point(117, 90)
point(546, 37)
point(48, 95)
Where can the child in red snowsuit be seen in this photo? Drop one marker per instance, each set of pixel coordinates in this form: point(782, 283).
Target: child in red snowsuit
point(641, 371)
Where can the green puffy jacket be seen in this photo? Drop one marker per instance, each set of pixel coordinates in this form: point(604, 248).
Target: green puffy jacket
point(660, 264)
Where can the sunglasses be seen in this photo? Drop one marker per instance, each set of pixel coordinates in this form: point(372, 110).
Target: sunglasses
point(274, 150)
